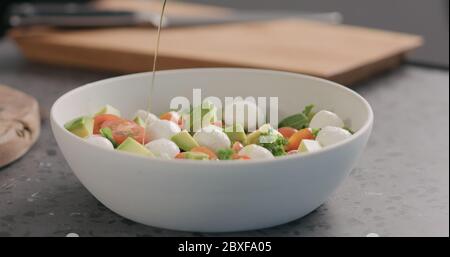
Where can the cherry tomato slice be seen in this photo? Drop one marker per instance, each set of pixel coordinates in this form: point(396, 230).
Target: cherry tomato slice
point(296, 139)
point(100, 119)
point(206, 150)
point(287, 132)
point(181, 156)
point(174, 117)
point(122, 129)
point(237, 146)
point(240, 157)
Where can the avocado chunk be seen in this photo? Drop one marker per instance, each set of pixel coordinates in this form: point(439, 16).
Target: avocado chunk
point(185, 141)
point(253, 138)
point(107, 133)
point(236, 133)
point(264, 130)
point(132, 146)
point(139, 121)
point(108, 109)
point(82, 126)
point(196, 156)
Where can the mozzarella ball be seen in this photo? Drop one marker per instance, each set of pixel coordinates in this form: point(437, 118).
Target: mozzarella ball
point(210, 128)
point(256, 152)
point(326, 118)
point(146, 116)
point(245, 108)
point(163, 129)
point(163, 148)
point(332, 135)
point(100, 141)
point(213, 138)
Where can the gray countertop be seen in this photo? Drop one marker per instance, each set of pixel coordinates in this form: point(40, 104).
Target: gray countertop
point(400, 187)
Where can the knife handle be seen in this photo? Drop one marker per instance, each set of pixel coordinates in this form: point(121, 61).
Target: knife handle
point(93, 19)
point(73, 15)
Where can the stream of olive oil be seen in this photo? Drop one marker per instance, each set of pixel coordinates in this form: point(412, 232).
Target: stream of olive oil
point(155, 64)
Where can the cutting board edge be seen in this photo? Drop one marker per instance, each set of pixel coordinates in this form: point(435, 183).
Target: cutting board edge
point(68, 56)
point(61, 57)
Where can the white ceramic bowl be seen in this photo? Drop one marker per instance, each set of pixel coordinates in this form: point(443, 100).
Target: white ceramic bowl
point(212, 196)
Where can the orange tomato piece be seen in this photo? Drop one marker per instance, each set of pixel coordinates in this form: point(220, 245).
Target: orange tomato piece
point(181, 156)
point(295, 140)
point(122, 129)
point(100, 119)
point(237, 146)
point(240, 157)
point(206, 150)
point(293, 152)
point(287, 132)
point(174, 117)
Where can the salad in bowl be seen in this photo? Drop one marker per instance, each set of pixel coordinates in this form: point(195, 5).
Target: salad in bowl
point(167, 136)
point(225, 175)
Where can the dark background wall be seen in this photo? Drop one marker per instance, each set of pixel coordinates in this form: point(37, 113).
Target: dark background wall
point(429, 18)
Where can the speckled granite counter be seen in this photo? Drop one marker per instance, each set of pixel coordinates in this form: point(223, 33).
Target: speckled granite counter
point(399, 188)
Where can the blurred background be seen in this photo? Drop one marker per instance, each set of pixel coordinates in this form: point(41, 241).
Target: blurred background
point(429, 19)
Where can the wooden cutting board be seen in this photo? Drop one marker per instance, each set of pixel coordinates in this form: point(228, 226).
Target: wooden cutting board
point(19, 124)
point(345, 54)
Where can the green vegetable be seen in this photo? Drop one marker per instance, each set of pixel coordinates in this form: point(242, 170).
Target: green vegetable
point(308, 111)
point(139, 121)
point(82, 126)
point(315, 131)
point(349, 130)
point(236, 133)
point(225, 154)
point(300, 120)
point(196, 156)
point(132, 146)
point(273, 142)
point(107, 133)
point(185, 141)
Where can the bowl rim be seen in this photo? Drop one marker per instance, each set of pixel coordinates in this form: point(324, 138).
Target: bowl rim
point(367, 125)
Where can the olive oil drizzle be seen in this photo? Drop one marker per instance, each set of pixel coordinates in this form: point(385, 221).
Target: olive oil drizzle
point(155, 64)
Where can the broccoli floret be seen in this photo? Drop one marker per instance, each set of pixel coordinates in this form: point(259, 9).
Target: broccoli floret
point(273, 142)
